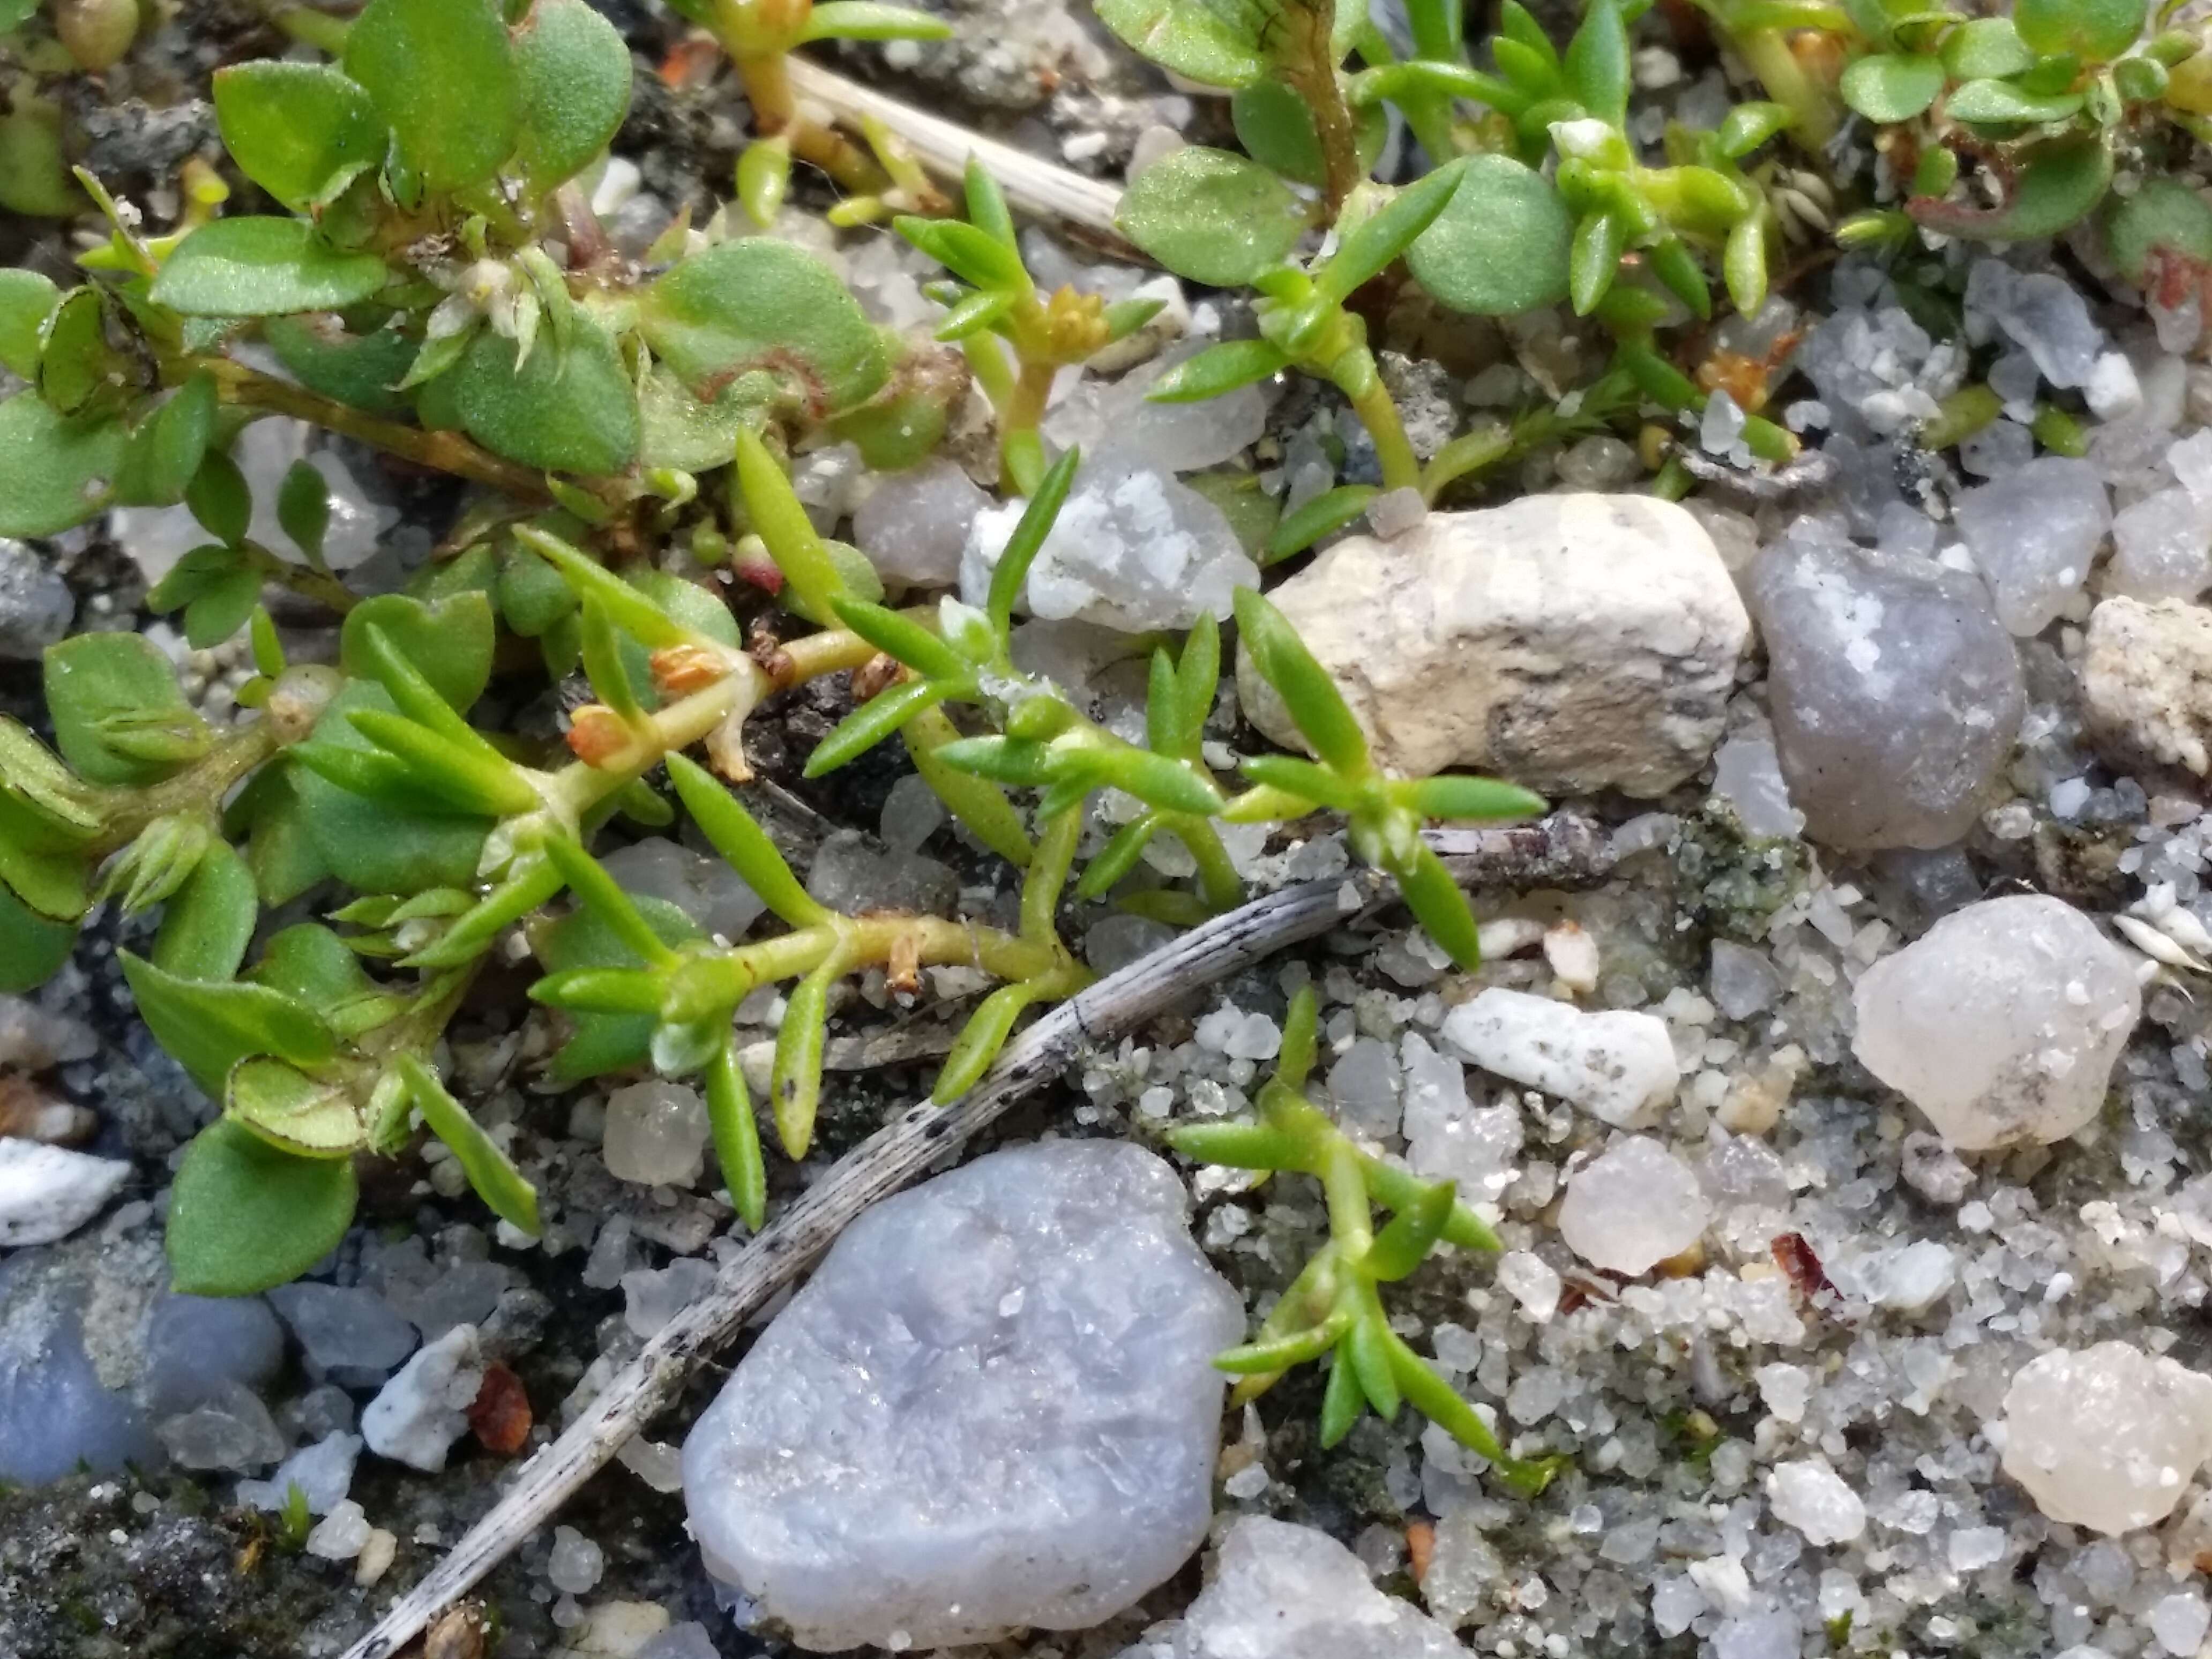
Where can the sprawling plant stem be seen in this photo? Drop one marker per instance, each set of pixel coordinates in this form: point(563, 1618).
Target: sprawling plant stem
point(446, 451)
point(776, 112)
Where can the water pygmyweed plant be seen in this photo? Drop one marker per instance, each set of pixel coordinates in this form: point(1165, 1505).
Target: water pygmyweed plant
point(1335, 1305)
point(999, 310)
point(406, 228)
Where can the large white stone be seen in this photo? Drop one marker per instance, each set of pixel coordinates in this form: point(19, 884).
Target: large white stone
point(2106, 1437)
point(1619, 1066)
point(992, 1405)
point(1568, 642)
point(2147, 684)
point(2001, 1022)
point(1631, 1206)
point(47, 1193)
point(1291, 1592)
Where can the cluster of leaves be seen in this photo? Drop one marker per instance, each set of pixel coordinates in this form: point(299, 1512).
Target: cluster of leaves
point(1508, 240)
point(407, 290)
point(2044, 100)
point(1335, 1305)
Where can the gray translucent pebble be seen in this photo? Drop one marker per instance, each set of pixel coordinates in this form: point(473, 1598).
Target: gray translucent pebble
point(229, 1430)
point(196, 1344)
point(351, 1336)
point(1897, 692)
point(55, 1413)
point(702, 887)
point(914, 524)
point(992, 1405)
point(322, 1471)
point(93, 1349)
point(850, 875)
point(2033, 534)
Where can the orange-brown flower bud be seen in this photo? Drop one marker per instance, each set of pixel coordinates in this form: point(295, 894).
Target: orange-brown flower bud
point(678, 670)
point(597, 734)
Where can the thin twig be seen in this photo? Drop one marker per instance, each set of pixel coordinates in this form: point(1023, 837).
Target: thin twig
point(1560, 851)
point(1034, 186)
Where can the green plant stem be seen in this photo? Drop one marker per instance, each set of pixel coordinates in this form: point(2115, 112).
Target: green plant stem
point(865, 941)
point(766, 79)
point(200, 787)
point(1222, 888)
point(1370, 401)
point(317, 585)
point(1021, 450)
point(1047, 876)
point(1813, 111)
point(310, 27)
point(1309, 69)
point(445, 451)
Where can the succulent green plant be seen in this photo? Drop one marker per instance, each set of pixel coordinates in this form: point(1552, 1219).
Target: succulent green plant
point(1333, 1306)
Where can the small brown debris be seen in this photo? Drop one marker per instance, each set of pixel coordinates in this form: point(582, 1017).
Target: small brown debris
point(877, 674)
point(457, 1634)
point(500, 1415)
point(28, 1113)
point(1796, 1259)
point(1420, 1547)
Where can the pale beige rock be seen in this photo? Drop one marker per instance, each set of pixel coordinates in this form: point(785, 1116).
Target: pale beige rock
point(1570, 642)
point(2147, 684)
point(2106, 1437)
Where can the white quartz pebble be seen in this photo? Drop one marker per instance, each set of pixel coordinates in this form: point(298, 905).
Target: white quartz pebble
point(1619, 1067)
point(2106, 1437)
point(1631, 1206)
point(2001, 1022)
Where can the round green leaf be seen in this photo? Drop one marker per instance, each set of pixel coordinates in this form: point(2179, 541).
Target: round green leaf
point(449, 643)
point(2094, 30)
point(59, 468)
point(377, 846)
point(2000, 102)
point(263, 267)
point(166, 451)
point(1217, 45)
point(302, 131)
point(245, 1218)
point(575, 75)
point(1212, 216)
point(210, 1027)
point(26, 300)
point(1985, 46)
point(1891, 87)
point(359, 370)
point(570, 408)
point(2163, 216)
point(1501, 244)
point(1276, 128)
point(762, 304)
point(444, 78)
point(119, 716)
point(31, 946)
point(208, 923)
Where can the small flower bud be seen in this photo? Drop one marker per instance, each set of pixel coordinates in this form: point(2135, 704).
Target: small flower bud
point(597, 734)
